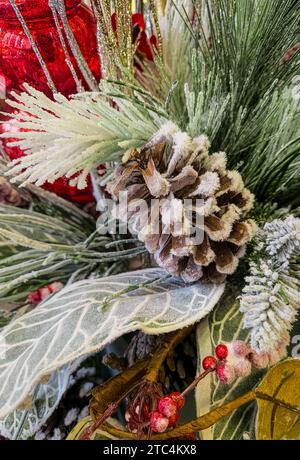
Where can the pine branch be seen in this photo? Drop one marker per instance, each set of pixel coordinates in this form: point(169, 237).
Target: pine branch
point(270, 298)
point(70, 136)
point(224, 72)
point(36, 250)
point(243, 96)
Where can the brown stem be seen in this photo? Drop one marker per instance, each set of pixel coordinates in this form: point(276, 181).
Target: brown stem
point(107, 413)
point(86, 435)
point(153, 369)
point(196, 381)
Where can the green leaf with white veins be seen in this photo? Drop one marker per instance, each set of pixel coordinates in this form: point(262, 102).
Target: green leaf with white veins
point(85, 316)
point(224, 324)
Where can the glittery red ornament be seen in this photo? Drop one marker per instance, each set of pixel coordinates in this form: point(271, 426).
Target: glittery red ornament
point(221, 351)
point(209, 362)
point(18, 62)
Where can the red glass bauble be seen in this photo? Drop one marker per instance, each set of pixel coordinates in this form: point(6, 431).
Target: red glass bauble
point(18, 62)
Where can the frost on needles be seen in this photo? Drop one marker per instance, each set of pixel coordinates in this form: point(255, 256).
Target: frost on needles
point(270, 299)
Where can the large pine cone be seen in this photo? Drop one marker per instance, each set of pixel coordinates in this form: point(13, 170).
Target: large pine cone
point(178, 170)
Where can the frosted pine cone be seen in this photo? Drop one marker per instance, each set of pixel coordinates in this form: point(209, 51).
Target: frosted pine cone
point(173, 172)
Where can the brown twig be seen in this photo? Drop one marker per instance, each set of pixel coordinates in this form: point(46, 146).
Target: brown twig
point(152, 372)
point(107, 413)
point(196, 381)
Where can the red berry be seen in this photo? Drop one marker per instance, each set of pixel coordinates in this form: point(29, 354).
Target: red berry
point(180, 401)
point(221, 351)
point(173, 420)
point(34, 297)
point(167, 406)
point(158, 423)
point(209, 362)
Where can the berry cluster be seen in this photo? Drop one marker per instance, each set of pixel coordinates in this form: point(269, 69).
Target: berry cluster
point(167, 413)
point(141, 403)
point(211, 363)
point(236, 359)
point(149, 409)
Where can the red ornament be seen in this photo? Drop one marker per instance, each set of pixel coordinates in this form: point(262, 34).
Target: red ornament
point(209, 362)
point(18, 62)
point(167, 406)
point(180, 401)
point(221, 351)
point(158, 423)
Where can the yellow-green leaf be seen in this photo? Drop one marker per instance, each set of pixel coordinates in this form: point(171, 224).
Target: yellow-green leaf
point(278, 399)
point(79, 429)
point(99, 434)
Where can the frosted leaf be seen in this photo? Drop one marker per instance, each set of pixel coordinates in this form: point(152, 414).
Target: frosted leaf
point(86, 316)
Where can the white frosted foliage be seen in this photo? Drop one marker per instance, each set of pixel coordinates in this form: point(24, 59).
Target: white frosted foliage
point(270, 299)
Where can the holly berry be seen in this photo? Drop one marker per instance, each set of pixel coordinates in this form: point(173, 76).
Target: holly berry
point(180, 401)
point(167, 406)
point(158, 423)
point(173, 420)
point(221, 351)
point(209, 362)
